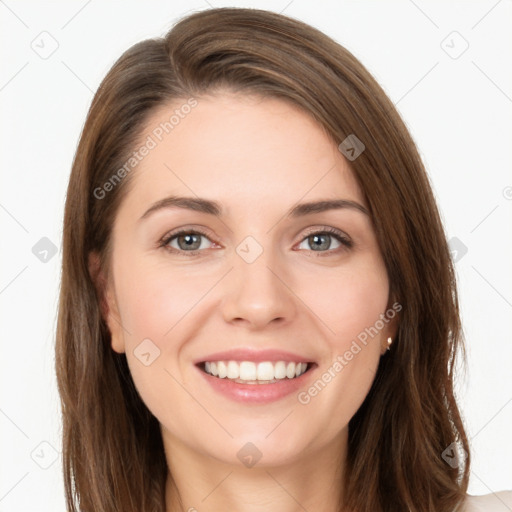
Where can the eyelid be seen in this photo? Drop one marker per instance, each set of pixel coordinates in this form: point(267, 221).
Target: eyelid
point(326, 229)
point(195, 228)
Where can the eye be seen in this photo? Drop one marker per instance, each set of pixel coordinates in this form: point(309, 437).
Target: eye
point(186, 240)
point(321, 241)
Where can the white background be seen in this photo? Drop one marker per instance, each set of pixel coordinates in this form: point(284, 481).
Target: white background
point(459, 113)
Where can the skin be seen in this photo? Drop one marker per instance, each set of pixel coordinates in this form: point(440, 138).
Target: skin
point(258, 158)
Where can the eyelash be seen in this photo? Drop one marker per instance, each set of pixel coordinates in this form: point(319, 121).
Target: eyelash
point(338, 235)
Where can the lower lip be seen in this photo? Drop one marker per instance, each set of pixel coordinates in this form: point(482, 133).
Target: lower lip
point(257, 393)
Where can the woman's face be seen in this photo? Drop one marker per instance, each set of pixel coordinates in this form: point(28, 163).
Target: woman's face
point(250, 277)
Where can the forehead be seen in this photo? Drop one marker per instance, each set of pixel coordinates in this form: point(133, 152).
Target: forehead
point(244, 151)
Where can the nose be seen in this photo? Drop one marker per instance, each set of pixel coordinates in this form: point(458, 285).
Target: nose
point(258, 294)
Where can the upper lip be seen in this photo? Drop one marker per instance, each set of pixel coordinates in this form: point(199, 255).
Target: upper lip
point(244, 354)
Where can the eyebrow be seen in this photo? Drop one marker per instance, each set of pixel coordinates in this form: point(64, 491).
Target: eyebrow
point(214, 208)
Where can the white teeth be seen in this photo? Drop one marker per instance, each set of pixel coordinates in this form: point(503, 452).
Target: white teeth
point(250, 372)
point(280, 370)
point(265, 371)
point(222, 369)
point(233, 370)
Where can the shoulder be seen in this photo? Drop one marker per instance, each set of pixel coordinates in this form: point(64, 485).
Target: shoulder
point(496, 502)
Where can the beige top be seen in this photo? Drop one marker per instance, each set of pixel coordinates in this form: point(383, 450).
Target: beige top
point(496, 502)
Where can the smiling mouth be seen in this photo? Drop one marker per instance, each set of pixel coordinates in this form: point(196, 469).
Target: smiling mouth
point(249, 372)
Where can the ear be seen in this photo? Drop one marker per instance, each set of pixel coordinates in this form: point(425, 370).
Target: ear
point(391, 328)
point(107, 302)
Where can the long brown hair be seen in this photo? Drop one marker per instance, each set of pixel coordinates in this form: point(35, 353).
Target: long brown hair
point(113, 453)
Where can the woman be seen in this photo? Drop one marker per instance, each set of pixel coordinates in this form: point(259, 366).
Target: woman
point(258, 309)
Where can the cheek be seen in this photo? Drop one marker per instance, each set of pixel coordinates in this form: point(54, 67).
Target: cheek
point(154, 299)
point(349, 301)
point(352, 304)
point(155, 304)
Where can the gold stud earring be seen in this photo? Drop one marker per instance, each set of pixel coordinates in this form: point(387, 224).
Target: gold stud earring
point(390, 340)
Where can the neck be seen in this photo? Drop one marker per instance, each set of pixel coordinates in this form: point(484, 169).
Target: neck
point(310, 480)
